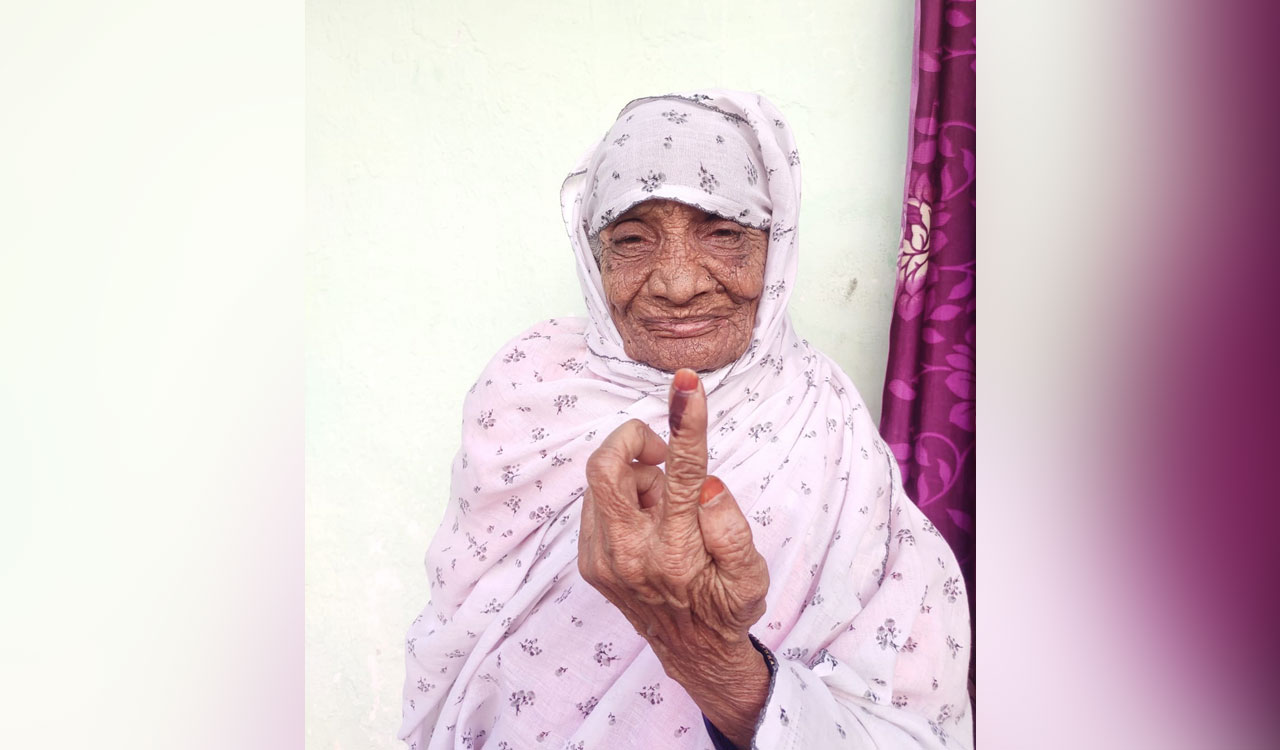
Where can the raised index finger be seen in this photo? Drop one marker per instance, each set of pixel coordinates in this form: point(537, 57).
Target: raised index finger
point(687, 451)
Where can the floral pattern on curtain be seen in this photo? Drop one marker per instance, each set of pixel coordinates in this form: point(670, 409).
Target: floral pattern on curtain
point(928, 414)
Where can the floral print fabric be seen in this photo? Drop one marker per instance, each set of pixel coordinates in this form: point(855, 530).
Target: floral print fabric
point(688, 151)
point(866, 610)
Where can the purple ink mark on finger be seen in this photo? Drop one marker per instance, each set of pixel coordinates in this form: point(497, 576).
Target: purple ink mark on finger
point(686, 384)
point(679, 400)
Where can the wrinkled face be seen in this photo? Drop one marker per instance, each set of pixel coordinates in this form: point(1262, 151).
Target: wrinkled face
point(682, 285)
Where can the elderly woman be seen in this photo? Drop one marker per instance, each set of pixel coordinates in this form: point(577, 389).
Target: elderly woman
point(673, 523)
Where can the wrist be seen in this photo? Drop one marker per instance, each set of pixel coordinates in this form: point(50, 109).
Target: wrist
point(729, 684)
point(708, 661)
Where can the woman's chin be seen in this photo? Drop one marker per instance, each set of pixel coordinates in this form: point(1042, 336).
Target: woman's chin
point(701, 353)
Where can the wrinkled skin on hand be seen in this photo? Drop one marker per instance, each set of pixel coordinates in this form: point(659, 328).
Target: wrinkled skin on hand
point(674, 553)
point(683, 286)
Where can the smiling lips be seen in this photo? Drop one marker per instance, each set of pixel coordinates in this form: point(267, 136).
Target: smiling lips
point(684, 327)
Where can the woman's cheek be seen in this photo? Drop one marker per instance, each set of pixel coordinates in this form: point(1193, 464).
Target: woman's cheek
point(747, 275)
point(745, 283)
point(619, 284)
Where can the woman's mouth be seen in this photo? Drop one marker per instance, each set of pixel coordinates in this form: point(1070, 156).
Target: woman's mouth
point(683, 327)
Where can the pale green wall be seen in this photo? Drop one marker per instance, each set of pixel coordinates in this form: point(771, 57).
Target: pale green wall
point(437, 138)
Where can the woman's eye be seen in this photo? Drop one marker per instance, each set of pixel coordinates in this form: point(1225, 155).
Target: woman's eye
point(631, 239)
point(725, 233)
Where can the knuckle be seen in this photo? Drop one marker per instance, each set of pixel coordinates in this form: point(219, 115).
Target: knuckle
point(759, 588)
point(598, 467)
point(606, 485)
point(629, 569)
point(750, 596)
point(763, 576)
point(594, 573)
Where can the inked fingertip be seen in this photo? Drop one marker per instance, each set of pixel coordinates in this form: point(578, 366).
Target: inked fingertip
point(686, 380)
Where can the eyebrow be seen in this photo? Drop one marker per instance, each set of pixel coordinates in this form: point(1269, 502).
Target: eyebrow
point(624, 225)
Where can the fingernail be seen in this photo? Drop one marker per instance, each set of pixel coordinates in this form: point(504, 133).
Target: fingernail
point(686, 383)
point(711, 488)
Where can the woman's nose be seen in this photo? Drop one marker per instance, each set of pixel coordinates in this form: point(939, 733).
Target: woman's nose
point(677, 276)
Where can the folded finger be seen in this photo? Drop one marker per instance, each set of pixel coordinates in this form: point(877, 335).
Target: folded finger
point(649, 484)
point(632, 441)
point(609, 469)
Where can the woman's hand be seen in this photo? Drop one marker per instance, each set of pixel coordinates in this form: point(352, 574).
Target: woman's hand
point(673, 551)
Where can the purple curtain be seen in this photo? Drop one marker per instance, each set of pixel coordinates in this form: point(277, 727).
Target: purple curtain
point(928, 417)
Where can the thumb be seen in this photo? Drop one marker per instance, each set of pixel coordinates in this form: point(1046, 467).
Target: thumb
point(727, 535)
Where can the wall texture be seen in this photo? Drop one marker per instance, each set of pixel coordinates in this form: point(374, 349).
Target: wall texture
point(437, 137)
